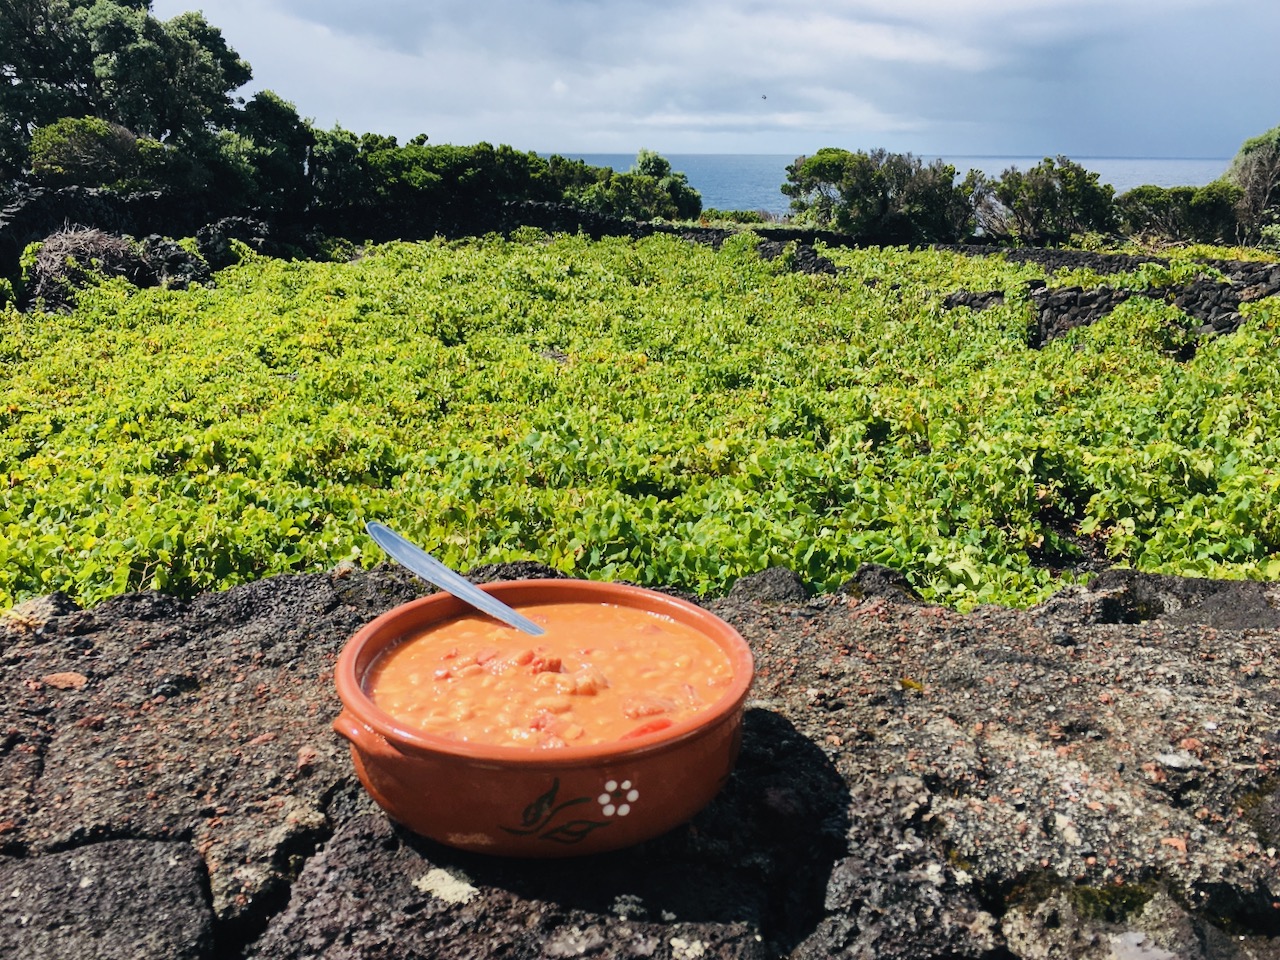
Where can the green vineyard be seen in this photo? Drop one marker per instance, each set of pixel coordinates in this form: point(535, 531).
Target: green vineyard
point(645, 410)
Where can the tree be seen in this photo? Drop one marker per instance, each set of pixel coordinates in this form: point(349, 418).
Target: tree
point(112, 60)
point(650, 190)
point(686, 202)
point(41, 74)
point(921, 203)
point(879, 197)
point(373, 181)
point(814, 185)
point(338, 176)
point(632, 196)
point(990, 218)
point(376, 142)
point(127, 54)
point(1176, 214)
point(566, 177)
point(201, 72)
point(1212, 217)
point(650, 163)
point(85, 150)
point(1255, 170)
point(1054, 200)
point(281, 147)
point(1158, 212)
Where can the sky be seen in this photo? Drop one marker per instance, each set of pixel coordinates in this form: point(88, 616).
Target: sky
point(1078, 78)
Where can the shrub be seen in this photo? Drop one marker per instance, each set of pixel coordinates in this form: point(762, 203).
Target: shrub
point(1213, 214)
point(1180, 214)
point(1255, 171)
point(87, 151)
point(1054, 200)
point(630, 196)
point(1269, 238)
point(711, 215)
point(650, 190)
point(685, 201)
point(281, 144)
point(338, 177)
point(879, 197)
point(1160, 212)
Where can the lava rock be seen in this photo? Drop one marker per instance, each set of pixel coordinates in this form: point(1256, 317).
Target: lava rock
point(1080, 777)
point(120, 899)
point(773, 585)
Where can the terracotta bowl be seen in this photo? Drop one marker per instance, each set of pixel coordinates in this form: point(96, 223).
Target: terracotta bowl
point(516, 801)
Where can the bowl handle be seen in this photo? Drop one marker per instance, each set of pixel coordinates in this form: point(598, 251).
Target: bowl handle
point(348, 725)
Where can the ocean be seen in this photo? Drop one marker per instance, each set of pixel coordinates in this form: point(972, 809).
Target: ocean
point(752, 181)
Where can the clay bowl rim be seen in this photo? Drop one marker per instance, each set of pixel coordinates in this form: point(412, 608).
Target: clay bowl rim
point(419, 613)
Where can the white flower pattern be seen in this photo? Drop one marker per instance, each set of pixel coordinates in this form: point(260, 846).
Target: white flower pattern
point(618, 798)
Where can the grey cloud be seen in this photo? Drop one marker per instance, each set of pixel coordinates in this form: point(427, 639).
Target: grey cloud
point(1020, 77)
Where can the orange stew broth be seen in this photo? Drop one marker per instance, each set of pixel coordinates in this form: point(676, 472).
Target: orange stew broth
point(601, 672)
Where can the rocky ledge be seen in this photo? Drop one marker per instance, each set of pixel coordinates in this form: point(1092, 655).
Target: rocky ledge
point(1095, 777)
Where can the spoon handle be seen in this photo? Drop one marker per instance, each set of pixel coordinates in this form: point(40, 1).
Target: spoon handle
point(433, 571)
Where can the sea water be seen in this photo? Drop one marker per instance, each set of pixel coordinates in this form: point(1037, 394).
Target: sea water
point(753, 181)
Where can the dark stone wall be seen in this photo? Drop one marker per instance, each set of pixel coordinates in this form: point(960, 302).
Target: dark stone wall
point(1213, 302)
point(39, 212)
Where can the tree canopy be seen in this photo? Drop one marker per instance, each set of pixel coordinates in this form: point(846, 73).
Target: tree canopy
point(102, 93)
point(649, 190)
point(1050, 202)
point(878, 196)
point(110, 59)
point(1255, 170)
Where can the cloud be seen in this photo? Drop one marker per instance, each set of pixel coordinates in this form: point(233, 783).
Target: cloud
point(1081, 77)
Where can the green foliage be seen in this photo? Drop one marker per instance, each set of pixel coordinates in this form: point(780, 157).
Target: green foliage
point(630, 196)
point(879, 197)
point(1050, 203)
point(1213, 214)
point(225, 166)
point(649, 191)
point(1255, 171)
point(279, 145)
point(353, 175)
point(1179, 214)
point(338, 177)
point(566, 177)
point(1197, 252)
point(1146, 276)
point(712, 215)
point(643, 410)
point(114, 61)
point(1156, 211)
point(38, 54)
point(27, 263)
point(814, 184)
point(83, 150)
point(684, 203)
point(377, 143)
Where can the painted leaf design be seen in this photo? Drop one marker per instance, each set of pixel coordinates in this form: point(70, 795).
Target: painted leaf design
point(573, 831)
point(536, 812)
